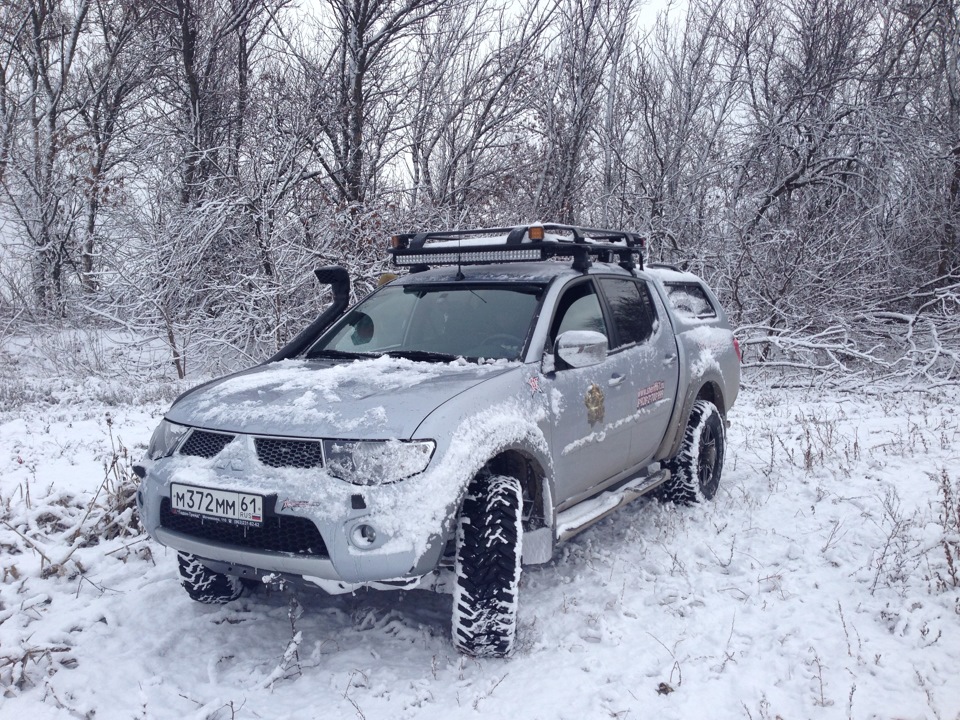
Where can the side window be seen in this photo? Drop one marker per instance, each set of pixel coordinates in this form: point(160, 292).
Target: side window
point(578, 309)
point(689, 300)
point(633, 313)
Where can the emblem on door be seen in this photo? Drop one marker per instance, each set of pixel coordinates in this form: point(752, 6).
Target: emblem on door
point(594, 402)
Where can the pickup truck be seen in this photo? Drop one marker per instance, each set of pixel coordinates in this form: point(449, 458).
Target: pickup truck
point(510, 389)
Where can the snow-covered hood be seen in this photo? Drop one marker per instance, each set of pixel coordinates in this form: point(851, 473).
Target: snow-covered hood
point(379, 398)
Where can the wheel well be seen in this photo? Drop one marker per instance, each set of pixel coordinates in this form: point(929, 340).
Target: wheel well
point(528, 471)
point(711, 392)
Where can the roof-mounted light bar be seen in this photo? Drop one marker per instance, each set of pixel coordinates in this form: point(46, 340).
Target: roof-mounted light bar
point(517, 244)
point(471, 256)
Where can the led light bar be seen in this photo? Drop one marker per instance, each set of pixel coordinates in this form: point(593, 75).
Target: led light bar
point(468, 256)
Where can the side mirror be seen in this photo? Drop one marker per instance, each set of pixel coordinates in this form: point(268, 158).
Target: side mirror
point(582, 348)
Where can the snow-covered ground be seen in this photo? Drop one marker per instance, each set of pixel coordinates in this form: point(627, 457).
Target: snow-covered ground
point(815, 586)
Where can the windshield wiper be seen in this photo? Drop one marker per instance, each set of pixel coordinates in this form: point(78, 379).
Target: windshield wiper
point(422, 355)
point(340, 355)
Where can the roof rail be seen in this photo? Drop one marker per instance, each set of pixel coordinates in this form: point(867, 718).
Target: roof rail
point(522, 243)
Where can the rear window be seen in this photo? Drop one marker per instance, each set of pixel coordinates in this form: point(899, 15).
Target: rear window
point(690, 300)
point(633, 313)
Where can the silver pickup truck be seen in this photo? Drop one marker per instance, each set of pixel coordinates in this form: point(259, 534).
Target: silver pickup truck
point(512, 388)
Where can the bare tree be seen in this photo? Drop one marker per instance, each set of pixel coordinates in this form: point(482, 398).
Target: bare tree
point(473, 79)
point(178, 166)
point(800, 172)
point(679, 94)
point(358, 86)
point(205, 53)
point(41, 41)
point(938, 23)
point(112, 79)
point(572, 76)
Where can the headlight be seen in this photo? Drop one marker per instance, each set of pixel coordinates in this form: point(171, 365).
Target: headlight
point(165, 439)
point(375, 462)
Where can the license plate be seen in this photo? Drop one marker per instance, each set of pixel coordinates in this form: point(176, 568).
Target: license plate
point(223, 505)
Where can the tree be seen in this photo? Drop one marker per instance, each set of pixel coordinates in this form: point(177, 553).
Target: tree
point(589, 34)
point(112, 80)
point(679, 93)
point(41, 42)
point(358, 84)
point(472, 88)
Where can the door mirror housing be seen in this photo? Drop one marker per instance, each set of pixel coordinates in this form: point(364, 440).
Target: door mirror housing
point(581, 348)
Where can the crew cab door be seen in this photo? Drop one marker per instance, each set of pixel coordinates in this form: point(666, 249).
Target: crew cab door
point(591, 408)
point(643, 337)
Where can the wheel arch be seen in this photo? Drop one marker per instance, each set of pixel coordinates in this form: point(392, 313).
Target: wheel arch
point(708, 389)
point(695, 469)
point(534, 483)
point(711, 392)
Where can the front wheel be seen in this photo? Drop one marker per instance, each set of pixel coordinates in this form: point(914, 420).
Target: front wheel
point(696, 468)
point(204, 585)
point(487, 564)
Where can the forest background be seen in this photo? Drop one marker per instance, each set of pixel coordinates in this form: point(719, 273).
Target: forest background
point(171, 171)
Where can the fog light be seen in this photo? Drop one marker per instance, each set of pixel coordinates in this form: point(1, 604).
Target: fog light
point(363, 536)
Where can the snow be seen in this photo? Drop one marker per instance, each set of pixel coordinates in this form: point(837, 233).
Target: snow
point(600, 435)
point(711, 341)
point(809, 588)
point(477, 438)
point(666, 274)
point(251, 396)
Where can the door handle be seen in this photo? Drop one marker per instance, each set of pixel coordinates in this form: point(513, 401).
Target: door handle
point(668, 359)
point(616, 380)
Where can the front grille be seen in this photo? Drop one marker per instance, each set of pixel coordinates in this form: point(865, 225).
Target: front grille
point(205, 444)
point(279, 533)
point(279, 453)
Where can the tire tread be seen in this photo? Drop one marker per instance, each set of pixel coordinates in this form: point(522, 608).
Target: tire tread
point(204, 585)
point(487, 566)
point(683, 488)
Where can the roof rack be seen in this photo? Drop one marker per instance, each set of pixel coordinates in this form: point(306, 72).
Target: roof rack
point(522, 243)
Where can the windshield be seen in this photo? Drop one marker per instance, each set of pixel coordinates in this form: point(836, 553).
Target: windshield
point(436, 322)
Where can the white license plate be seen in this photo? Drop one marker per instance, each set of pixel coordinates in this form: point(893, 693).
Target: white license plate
point(234, 507)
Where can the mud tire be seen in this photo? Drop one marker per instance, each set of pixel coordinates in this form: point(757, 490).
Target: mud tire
point(696, 468)
point(487, 564)
point(204, 585)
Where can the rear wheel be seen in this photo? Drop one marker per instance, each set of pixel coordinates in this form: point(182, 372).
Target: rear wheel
point(696, 468)
point(487, 567)
point(204, 585)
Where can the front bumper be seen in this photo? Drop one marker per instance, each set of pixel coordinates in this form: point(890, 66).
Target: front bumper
point(337, 562)
point(312, 570)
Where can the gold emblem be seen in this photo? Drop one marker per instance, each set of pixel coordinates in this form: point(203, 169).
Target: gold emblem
point(594, 402)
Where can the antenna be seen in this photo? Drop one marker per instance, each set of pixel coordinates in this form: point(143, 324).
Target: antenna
point(460, 275)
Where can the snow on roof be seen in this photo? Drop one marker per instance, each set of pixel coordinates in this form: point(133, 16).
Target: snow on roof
point(667, 274)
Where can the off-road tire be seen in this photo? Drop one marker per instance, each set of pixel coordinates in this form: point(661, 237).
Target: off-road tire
point(695, 471)
point(487, 564)
point(204, 585)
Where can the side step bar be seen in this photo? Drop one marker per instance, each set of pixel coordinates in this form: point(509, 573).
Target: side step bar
point(578, 518)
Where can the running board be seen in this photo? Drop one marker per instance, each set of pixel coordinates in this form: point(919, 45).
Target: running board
point(581, 516)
